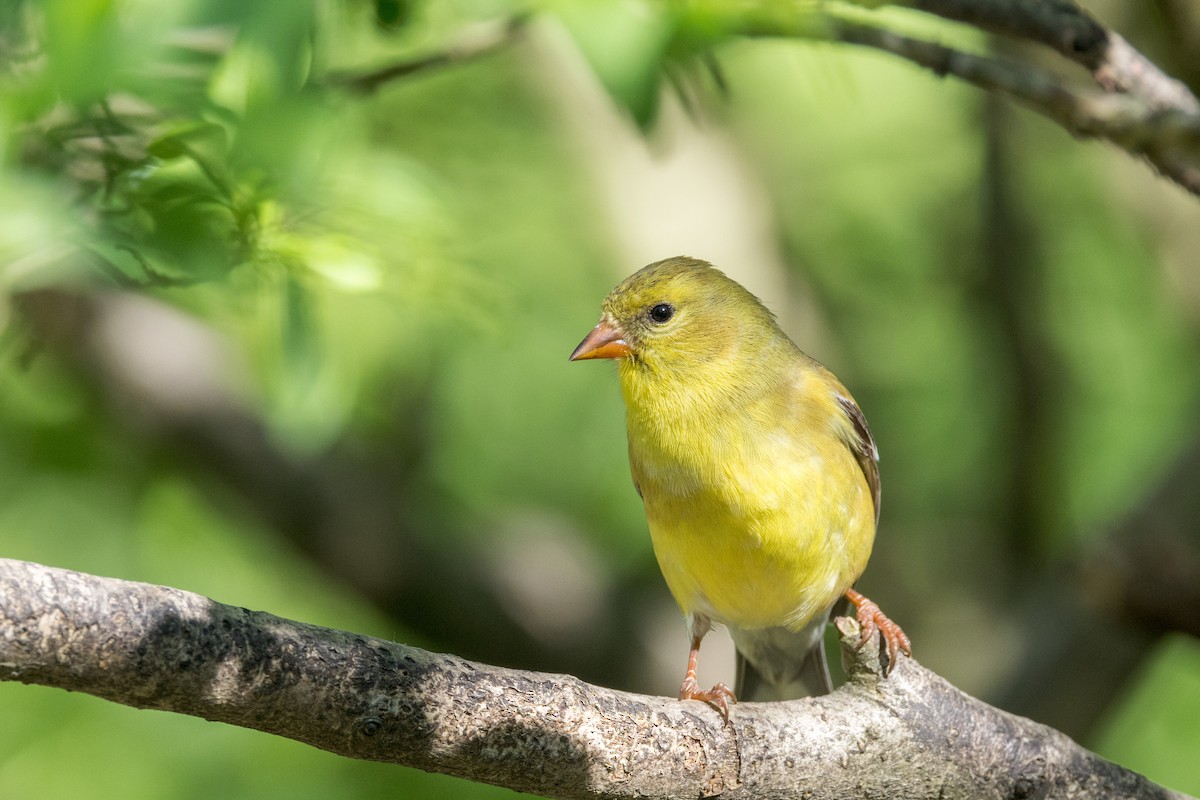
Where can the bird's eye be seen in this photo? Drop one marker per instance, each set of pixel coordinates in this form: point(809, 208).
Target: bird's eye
point(662, 312)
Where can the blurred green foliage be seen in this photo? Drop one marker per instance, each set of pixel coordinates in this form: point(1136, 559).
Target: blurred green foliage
point(1155, 722)
point(399, 275)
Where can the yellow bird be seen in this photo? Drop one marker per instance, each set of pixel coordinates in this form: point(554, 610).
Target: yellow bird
point(757, 471)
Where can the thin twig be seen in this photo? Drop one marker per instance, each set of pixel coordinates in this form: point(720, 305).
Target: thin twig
point(472, 44)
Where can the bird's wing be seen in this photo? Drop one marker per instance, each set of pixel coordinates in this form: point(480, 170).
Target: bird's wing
point(864, 447)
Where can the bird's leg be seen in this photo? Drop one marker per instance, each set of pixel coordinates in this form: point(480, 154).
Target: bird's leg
point(719, 696)
point(872, 619)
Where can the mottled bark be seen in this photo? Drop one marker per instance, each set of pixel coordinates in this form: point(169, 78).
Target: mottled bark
point(910, 736)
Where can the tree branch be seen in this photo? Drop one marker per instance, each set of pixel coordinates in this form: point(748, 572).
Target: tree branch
point(1091, 623)
point(1168, 138)
point(373, 497)
point(911, 735)
point(1071, 32)
point(471, 44)
point(1144, 111)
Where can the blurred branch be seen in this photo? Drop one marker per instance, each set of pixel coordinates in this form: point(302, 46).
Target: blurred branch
point(471, 44)
point(358, 515)
point(1139, 108)
point(1009, 254)
point(1073, 33)
point(1169, 138)
point(912, 735)
point(1093, 623)
point(1148, 571)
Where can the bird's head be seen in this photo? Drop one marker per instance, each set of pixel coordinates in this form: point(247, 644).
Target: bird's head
point(677, 314)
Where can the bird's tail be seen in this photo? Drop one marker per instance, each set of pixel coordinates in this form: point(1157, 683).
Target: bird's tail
point(812, 679)
point(781, 663)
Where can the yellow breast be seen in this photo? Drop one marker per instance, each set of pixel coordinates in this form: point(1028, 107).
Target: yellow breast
point(759, 514)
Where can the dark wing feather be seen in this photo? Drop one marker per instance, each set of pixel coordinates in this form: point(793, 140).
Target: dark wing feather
point(864, 448)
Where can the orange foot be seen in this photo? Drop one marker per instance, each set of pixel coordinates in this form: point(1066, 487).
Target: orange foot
point(872, 619)
point(719, 697)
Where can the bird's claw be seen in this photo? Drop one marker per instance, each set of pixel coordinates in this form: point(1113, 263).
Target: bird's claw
point(871, 619)
point(719, 697)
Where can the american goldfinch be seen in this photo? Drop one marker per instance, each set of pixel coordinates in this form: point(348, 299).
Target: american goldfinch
point(756, 469)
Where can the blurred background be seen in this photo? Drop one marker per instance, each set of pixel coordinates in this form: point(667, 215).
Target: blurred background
point(287, 292)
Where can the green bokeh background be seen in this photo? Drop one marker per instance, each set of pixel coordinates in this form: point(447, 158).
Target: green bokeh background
point(394, 279)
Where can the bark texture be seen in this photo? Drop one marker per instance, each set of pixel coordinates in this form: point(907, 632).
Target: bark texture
point(911, 735)
point(1133, 104)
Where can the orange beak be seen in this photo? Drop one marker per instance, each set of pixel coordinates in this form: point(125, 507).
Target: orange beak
point(606, 340)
